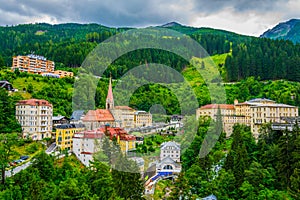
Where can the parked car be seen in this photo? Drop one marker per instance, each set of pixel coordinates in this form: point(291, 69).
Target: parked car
point(18, 161)
point(24, 157)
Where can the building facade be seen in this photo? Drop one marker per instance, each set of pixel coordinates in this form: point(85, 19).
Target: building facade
point(142, 119)
point(59, 120)
point(64, 135)
point(33, 64)
point(86, 143)
point(35, 117)
point(170, 149)
point(124, 116)
point(63, 74)
point(252, 113)
point(36, 64)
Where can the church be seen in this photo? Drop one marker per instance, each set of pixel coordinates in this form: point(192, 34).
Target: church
point(116, 116)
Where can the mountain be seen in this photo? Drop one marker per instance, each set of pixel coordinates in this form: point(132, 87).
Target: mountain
point(289, 30)
point(170, 24)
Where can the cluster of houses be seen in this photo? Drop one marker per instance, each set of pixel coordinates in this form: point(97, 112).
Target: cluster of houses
point(80, 132)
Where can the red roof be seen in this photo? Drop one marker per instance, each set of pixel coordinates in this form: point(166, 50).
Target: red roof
point(34, 102)
point(100, 132)
point(99, 115)
point(87, 153)
point(216, 106)
point(93, 134)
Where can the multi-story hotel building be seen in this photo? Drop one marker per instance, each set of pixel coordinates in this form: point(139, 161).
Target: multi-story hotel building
point(33, 64)
point(35, 117)
point(38, 65)
point(252, 113)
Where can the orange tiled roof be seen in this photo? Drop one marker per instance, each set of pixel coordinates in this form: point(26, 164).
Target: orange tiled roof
point(99, 133)
point(99, 115)
point(216, 106)
point(34, 102)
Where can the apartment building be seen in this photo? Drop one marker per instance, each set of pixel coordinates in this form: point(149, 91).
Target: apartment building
point(252, 113)
point(142, 118)
point(124, 116)
point(64, 135)
point(35, 117)
point(32, 64)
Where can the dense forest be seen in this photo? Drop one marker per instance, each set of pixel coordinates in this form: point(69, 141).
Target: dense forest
point(51, 178)
point(69, 44)
point(8, 121)
point(241, 168)
point(264, 58)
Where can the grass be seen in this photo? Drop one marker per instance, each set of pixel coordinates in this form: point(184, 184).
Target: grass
point(23, 82)
point(160, 188)
point(23, 150)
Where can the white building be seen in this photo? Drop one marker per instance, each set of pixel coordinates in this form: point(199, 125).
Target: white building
point(35, 117)
point(86, 143)
point(170, 149)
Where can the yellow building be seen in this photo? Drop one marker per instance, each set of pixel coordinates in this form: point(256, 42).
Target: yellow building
point(126, 142)
point(64, 135)
point(142, 118)
point(252, 113)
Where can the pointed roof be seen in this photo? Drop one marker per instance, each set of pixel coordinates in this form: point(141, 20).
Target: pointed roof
point(110, 93)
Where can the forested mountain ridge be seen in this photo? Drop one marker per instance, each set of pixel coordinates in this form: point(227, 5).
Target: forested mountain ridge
point(289, 30)
point(69, 44)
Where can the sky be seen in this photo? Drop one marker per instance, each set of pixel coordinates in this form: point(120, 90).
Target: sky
point(249, 17)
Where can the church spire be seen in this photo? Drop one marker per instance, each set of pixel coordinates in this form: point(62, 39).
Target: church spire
point(110, 97)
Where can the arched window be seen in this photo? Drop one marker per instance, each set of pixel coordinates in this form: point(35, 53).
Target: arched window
point(168, 167)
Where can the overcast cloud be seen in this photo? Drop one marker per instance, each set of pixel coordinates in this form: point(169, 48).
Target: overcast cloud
point(251, 17)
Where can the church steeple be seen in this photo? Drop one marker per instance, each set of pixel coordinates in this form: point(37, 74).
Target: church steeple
point(110, 97)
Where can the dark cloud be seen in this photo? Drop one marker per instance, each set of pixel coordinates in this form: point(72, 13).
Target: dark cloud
point(135, 12)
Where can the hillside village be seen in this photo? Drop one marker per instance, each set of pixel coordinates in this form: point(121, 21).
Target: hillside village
point(84, 132)
point(244, 148)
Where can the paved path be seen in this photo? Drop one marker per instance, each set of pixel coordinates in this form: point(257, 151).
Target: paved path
point(15, 170)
